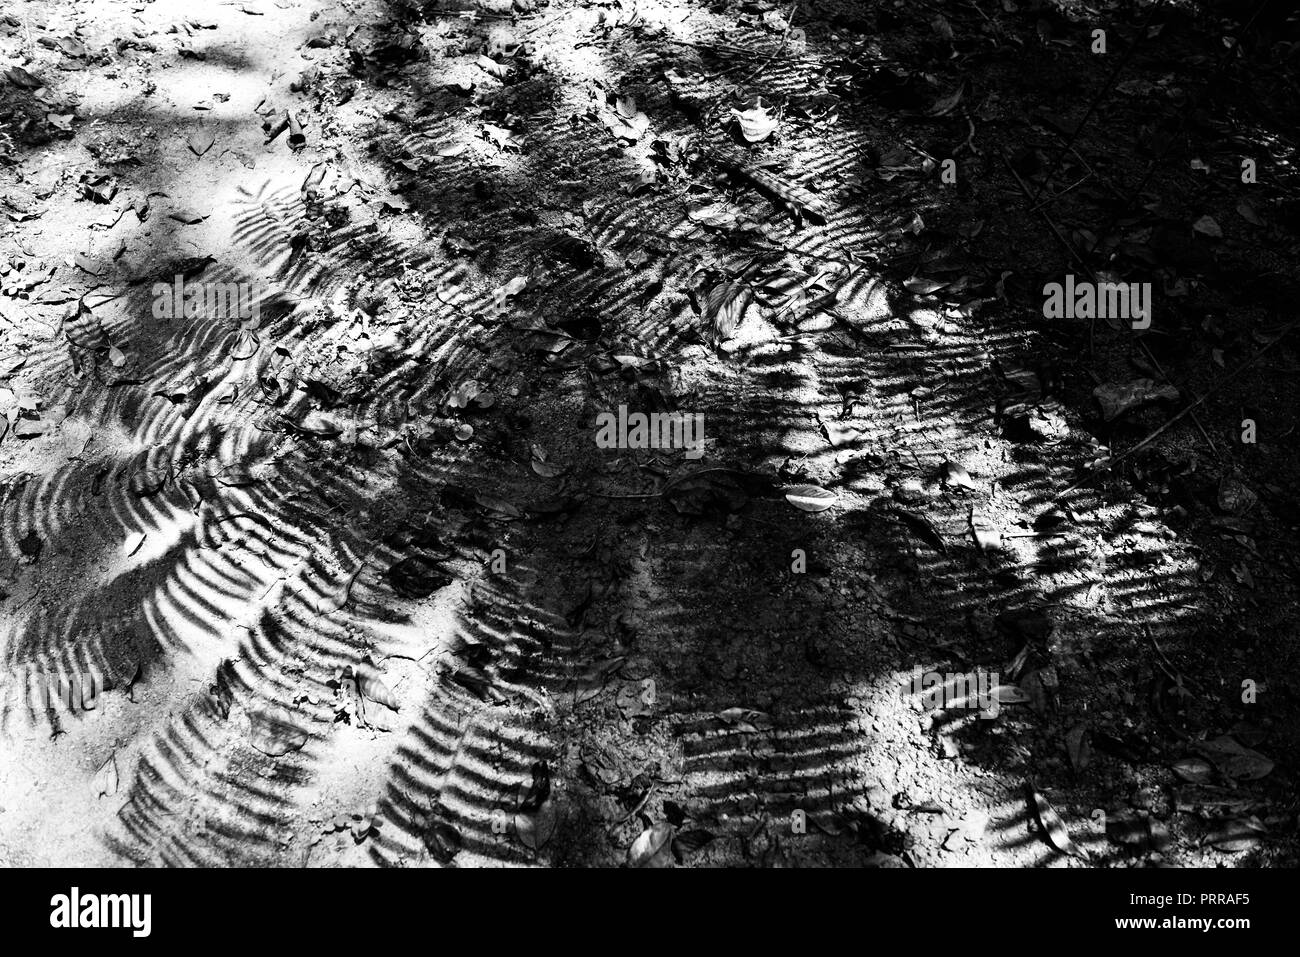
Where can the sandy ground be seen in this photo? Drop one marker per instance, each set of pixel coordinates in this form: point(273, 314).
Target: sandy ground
point(376, 617)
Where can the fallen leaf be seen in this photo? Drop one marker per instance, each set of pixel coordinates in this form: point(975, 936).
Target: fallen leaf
point(187, 216)
point(535, 830)
point(954, 474)
point(724, 308)
point(1009, 694)
point(443, 841)
point(1077, 746)
point(1246, 210)
point(1194, 770)
point(1239, 834)
point(810, 498)
point(273, 731)
point(756, 124)
point(746, 719)
point(373, 688)
point(1234, 759)
point(547, 469)
point(1207, 226)
point(1116, 398)
point(923, 528)
point(1053, 828)
point(105, 782)
point(417, 577)
point(688, 842)
point(20, 77)
point(946, 104)
point(652, 846)
point(924, 287)
point(200, 141)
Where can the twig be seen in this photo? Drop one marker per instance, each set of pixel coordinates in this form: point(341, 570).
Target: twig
point(1055, 196)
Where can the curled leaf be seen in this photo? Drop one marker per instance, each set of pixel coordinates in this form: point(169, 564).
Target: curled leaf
point(375, 689)
point(756, 124)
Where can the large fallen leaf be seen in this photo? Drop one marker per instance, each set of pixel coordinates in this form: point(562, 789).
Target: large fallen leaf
point(810, 498)
point(20, 77)
point(373, 688)
point(746, 719)
point(652, 847)
point(535, 830)
point(1234, 759)
point(1053, 828)
point(724, 308)
point(1116, 398)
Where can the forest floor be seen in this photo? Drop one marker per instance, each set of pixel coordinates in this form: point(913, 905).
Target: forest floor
point(364, 588)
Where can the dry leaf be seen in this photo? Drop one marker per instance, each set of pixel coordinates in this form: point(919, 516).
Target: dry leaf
point(1246, 210)
point(746, 719)
point(652, 846)
point(105, 782)
point(756, 124)
point(946, 104)
point(273, 731)
point(1078, 746)
point(535, 830)
point(1235, 760)
point(954, 474)
point(1053, 827)
point(200, 141)
point(1207, 226)
point(725, 307)
point(810, 498)
point(374, 689)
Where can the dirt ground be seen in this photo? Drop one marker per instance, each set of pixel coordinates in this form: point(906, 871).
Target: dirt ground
point(363, 588)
